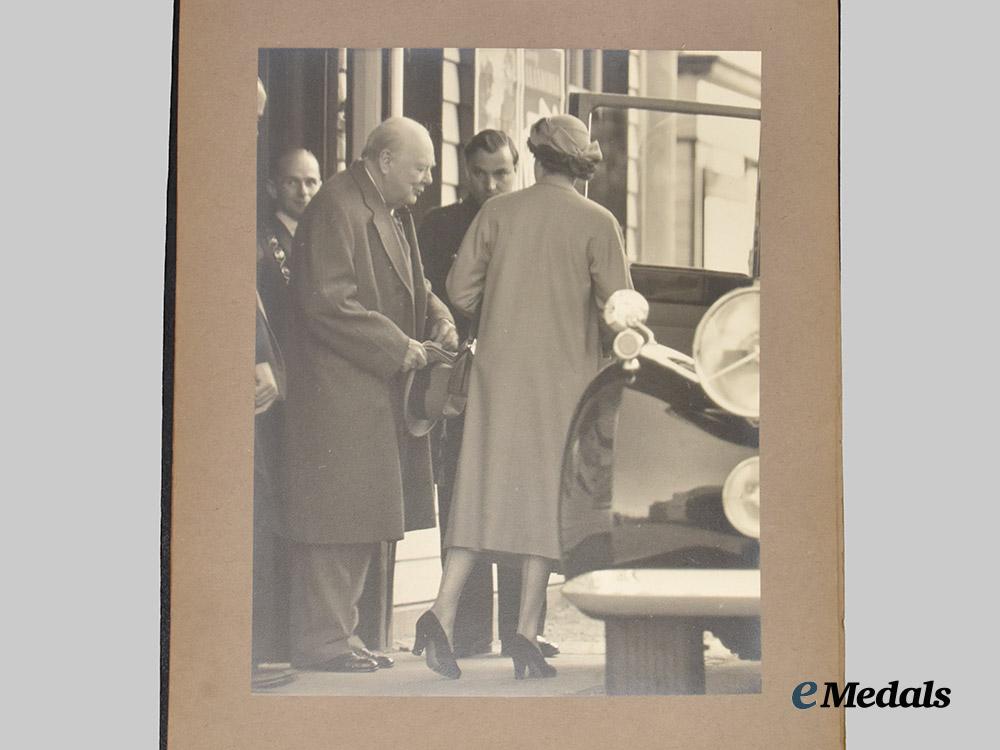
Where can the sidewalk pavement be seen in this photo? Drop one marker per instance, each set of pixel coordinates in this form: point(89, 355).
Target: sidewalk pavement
point(481, 676)
point(493, 676)
point(580, 668)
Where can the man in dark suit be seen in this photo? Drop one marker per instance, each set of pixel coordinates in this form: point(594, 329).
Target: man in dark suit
point(292, 182)
point(360, 309)
point(491, 167)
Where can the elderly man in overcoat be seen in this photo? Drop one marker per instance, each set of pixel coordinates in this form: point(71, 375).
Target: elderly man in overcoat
point(361, 307)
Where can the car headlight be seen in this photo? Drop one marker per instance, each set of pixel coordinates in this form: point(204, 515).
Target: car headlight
point(741, 497)
point(727, 352)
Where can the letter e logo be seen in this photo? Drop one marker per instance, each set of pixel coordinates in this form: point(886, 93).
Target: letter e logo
point(803, 690)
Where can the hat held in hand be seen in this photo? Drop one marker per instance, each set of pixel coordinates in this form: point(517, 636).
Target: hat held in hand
point(433, 392)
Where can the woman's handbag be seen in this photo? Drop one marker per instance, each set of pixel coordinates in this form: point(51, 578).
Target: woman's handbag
point(461, 373)
point(441, 388)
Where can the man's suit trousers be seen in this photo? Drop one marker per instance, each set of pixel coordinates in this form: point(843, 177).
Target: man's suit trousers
point(327, 582)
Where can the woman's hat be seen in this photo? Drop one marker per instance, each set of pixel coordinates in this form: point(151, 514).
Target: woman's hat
point(567, 135)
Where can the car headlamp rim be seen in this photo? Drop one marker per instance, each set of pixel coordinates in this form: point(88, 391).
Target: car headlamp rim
point(736, 499)
point(707, 376)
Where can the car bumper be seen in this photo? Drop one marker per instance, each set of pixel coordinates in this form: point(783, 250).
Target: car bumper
point(650, 592)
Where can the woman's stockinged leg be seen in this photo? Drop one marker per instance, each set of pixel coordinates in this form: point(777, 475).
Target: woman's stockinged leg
point(458, 563)
point(435, 627)
point(534, 581)
point(528, 660)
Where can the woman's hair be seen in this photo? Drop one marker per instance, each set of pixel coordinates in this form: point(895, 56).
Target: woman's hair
point(562, 163)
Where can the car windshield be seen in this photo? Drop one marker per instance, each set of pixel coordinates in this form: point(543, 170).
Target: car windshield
point(682, 186)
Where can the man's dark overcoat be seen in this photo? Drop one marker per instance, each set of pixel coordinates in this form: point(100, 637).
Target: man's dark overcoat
point(354, 473)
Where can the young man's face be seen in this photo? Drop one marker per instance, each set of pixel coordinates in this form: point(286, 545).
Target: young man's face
point(296, 182)
point(490, 173)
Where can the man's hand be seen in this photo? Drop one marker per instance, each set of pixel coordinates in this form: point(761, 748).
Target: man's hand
point(445, 334)
point(266, 390)
point(416, 356)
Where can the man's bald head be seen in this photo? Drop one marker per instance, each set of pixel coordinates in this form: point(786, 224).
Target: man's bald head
point(292, 157)
point(294, 181)
point(394, 134)
point(399, 154)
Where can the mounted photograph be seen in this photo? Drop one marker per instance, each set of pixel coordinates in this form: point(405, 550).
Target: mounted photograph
point(507, 373)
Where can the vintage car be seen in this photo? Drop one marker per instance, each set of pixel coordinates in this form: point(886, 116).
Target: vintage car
point(659, 507)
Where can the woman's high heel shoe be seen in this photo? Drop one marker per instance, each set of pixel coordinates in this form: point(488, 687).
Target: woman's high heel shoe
point(526, 656)
point(431, 636)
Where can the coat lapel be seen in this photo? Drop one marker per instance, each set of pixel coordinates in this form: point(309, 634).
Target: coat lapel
point(410, 232)
point(383, 222)
point(285, 238)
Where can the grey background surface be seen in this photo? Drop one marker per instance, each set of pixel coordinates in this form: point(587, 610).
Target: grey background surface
point(85, 177)
point(919, 253)
point(86, 103)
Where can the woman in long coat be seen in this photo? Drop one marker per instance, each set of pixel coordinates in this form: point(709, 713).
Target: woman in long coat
point(537, 265)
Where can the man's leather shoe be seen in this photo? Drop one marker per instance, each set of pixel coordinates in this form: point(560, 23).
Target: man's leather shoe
point(547, 648)
point(349, 662)
point(263, 679)
point(383, 661)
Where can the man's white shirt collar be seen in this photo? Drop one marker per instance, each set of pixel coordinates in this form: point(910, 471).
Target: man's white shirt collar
point(379, 191)
point(377, 188)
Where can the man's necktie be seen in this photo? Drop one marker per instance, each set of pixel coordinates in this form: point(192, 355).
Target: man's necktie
point(401, 234)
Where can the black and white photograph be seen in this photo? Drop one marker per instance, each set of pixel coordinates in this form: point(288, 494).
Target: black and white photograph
point(507, 416)
point(505, 438)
